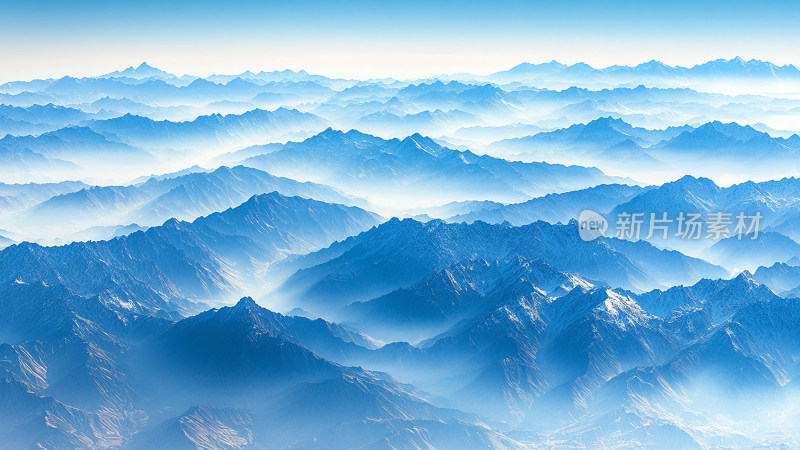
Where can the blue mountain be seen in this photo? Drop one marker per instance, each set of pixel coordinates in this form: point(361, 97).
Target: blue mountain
point(156, 270)
point(366, 165)
point(398, 254)
point(554, 208)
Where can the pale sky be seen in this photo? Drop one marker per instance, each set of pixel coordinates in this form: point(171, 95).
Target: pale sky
point(356, 38)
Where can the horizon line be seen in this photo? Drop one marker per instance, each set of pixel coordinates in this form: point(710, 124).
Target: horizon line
point(454, 73)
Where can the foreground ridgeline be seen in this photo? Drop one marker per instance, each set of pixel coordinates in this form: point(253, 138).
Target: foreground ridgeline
point(552, 355)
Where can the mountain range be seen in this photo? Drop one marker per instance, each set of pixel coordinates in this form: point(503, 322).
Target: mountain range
point(118, 403)
point(161, 268)
point(653, 71)
point(611, 139)
point(520, 351)
point(553, 208)
point(368, 165)
point(184, 196)
point(398, 254)
point(253, 126)
point(198, 262)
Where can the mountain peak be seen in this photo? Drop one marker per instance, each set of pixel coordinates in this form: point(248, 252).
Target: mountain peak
point(266, 196)
point(604, 127)
point(606, 121)
point(745, 281)
point(690, 180)
point(745, 276)
point(329, 134)
point(246, 303)
point(172, 223)
point(201, 82)
point(653, 63)
point(142, 71)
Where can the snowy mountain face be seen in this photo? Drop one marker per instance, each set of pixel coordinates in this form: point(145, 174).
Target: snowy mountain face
point(463, 290)
point(204, 262)
point(398, 254)
point(288, 376)
point(517, 364)
point(547, 361)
